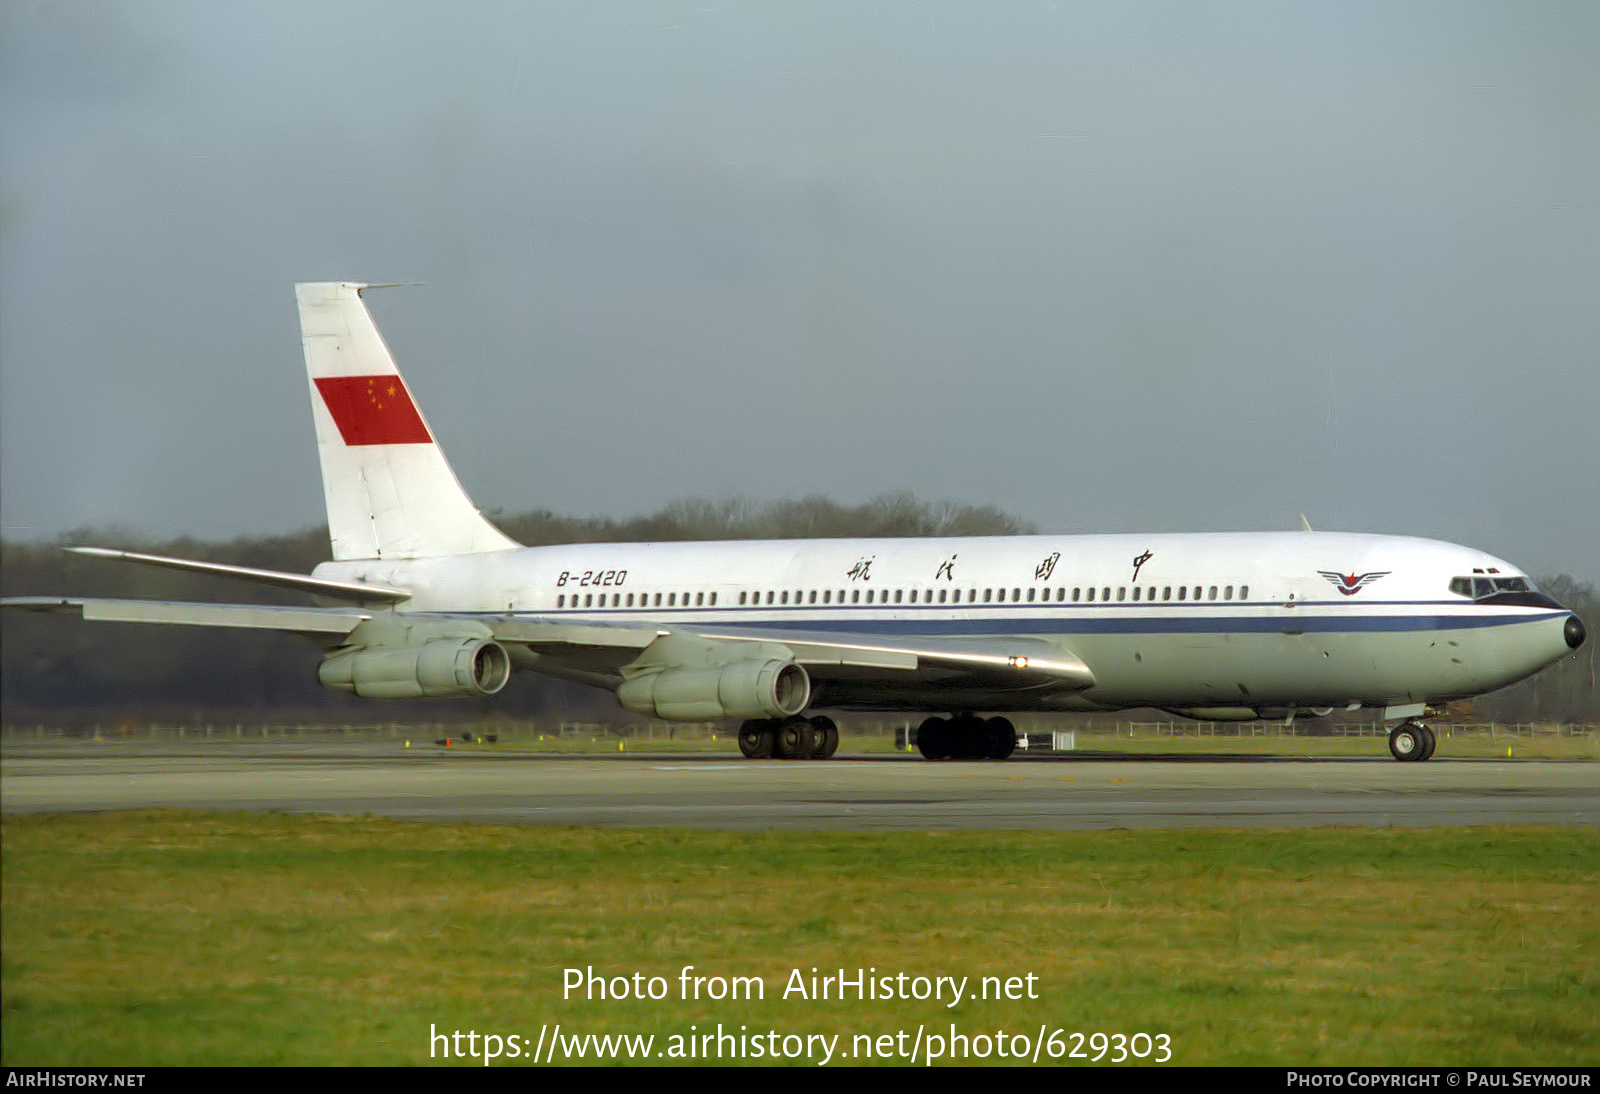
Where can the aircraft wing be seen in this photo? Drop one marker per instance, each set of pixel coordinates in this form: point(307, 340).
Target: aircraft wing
point(598, 651)
point(308, 621)
point(603, 648)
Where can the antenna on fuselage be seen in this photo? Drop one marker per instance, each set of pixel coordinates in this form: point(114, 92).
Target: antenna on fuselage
point(1305, 525)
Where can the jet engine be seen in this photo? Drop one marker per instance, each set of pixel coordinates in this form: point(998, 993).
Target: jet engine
point(742, 689)
point(446, 668)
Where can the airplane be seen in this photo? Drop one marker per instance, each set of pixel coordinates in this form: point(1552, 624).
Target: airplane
point(425, 598)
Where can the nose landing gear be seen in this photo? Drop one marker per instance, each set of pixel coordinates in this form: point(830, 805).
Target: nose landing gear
point(1411, 742)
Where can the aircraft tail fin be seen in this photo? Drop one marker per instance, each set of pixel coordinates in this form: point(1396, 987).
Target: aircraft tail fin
point(390, 492)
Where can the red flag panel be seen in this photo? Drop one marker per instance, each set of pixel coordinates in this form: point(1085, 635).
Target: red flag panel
point(373, 410)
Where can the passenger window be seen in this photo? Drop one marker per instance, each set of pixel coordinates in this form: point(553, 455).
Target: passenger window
point(699, 599)
point(811, 597)
point(588, 600)
point(1244, 592)
point(561, 602)
point(1105, 594)
point(855, 596)
point(1122, 592)
point(1227, 593)
point(1136, 592)
point(827, 596)
point(1166, 592)
point(1183, 592)
point(1091, 593)
point(1212, 595)
point(1075, 593)
point(713, 599)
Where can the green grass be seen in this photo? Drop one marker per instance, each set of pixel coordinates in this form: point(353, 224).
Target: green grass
point(173, 938)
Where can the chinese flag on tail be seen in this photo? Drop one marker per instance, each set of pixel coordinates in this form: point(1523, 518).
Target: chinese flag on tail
point(373, 410)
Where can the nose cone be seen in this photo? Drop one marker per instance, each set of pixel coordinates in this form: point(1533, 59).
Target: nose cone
point(1574, 632)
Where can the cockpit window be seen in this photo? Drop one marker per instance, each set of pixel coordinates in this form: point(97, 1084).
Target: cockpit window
point(1480, 587)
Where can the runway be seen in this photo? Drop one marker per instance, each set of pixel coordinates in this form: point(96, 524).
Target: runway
point(717, 791)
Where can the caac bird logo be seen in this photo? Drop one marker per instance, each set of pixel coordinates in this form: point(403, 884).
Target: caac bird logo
point(1350, 584)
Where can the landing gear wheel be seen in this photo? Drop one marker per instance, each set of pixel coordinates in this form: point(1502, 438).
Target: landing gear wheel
point(1432, 743)
point(934, 739)
point(969, 738)
point(1408, 742)
point(826, 733)
point(796, 740)
point(755, 739)
point(1002, 738)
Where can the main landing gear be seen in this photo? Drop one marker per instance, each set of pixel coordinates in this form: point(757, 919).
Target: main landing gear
point(794, 738)
point(1411, 742)
point(966, 737)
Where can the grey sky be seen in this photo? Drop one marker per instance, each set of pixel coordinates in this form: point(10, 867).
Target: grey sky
point(1108, 267)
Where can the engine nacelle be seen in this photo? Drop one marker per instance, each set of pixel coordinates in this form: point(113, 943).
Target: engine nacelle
point(446, 668)
point(743, 689)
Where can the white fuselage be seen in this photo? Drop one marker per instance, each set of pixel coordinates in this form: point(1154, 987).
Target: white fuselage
point(1224, 622)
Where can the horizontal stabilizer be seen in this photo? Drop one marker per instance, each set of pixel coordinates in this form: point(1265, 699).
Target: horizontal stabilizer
point(357, 592)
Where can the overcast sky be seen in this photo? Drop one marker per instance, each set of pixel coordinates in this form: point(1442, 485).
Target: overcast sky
point(1108, 267)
